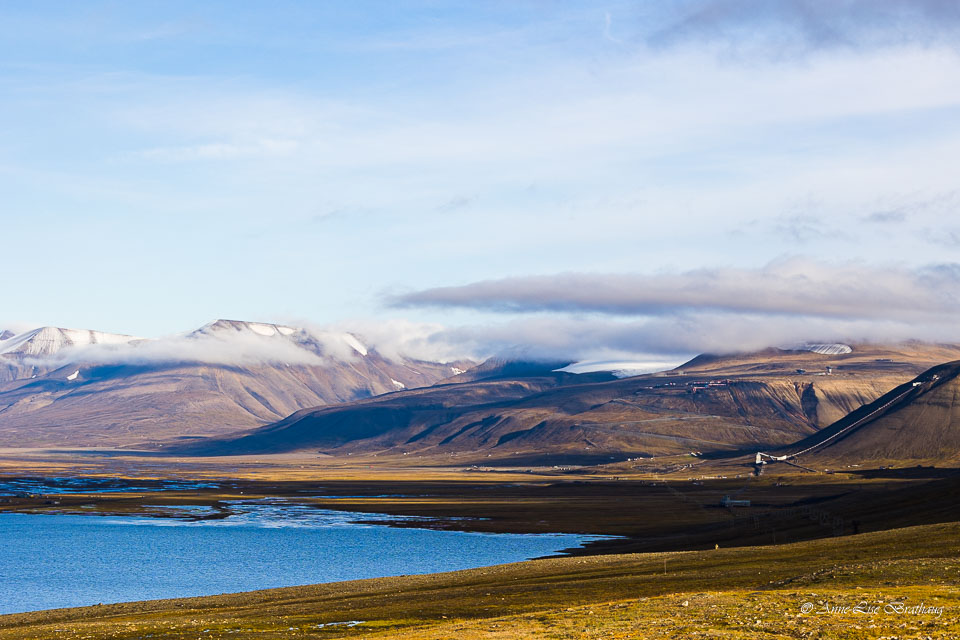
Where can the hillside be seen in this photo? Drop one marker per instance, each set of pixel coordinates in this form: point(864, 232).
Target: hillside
point(89, 389)
point(564, 418)
point(916, 421)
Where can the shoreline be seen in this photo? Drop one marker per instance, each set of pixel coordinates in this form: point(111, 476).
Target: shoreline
point(527, 595)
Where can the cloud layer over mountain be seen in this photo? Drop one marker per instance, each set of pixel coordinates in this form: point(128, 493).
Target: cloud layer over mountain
point(795, 287)
point(589, 315)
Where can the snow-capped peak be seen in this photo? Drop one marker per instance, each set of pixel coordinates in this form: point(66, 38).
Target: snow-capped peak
point(336, 344)
point(241, 326)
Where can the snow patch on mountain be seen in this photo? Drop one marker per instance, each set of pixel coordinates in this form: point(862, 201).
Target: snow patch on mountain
point(621, 368)
point(827, 349)
point(263, 329)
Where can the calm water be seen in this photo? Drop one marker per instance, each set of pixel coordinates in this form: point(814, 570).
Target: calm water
point(49, 561)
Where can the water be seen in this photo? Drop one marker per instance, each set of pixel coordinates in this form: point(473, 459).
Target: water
point(52, 486)
point(57, 560)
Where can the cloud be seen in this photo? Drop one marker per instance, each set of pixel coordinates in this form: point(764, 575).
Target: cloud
point(886, 217)
point(214, 349)
point(456, 203)
point(229, 343)
point(607, 29)
point(400, 338)
point(794, 286)
point(558, 337)
point(802, 228)
point(947, 237)
point(671, 338)
point(16, 327)
point(788, 27)
point(261, 148)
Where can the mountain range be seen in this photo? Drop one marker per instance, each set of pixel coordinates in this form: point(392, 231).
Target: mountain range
point(65, 387)
point(234, 387)
point(518, 413)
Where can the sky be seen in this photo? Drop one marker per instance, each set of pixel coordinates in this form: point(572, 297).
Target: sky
point(598, 180)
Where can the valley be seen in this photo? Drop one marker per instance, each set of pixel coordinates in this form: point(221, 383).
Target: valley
point(649, 469)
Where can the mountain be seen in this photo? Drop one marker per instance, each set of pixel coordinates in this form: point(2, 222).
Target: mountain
point(557, 417)
point(905, 358)
point(916, 421)
point(63, 387)
point(19, 353)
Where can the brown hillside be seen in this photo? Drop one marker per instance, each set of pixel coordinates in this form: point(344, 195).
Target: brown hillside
point(917, 421)
point(565, 418)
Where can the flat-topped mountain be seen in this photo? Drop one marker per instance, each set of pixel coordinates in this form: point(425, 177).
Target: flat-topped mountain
point(907, 357)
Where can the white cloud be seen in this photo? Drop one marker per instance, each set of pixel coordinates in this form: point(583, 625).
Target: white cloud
point(266, 148)
point(236, 349)
point(665, 339)
point(650, 135)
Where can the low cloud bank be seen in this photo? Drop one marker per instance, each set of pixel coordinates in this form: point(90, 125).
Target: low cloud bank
point(659, 317)
point(226, 350)
point(792, 287)
point(672, 339)
point(553, 337)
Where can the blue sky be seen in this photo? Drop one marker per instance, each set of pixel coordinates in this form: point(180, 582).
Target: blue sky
point(166, 163)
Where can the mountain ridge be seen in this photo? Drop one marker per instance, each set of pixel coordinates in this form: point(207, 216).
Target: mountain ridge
point(559, 417)
point(225, 376)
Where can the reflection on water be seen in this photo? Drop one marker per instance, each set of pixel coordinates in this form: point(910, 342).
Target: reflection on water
point(266, 512)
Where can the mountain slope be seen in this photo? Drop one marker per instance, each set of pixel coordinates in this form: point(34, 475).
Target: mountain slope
point(72, 388)
point(560, 417)
point(919, 421)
